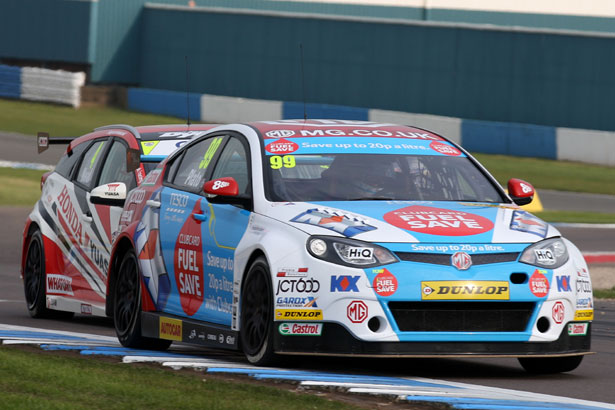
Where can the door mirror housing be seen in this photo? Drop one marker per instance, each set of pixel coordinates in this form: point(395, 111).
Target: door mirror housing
point(225, 190)
point(225, 186)
point(520, 191)
point(112, 194)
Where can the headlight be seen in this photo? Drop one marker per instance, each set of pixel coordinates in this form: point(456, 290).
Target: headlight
point(349, 252)
point(550, 253)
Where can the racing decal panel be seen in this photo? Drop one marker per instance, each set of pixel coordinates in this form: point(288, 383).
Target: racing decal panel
point(198, 241)
point(76, 257)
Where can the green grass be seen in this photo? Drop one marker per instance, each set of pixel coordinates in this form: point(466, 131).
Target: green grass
point(19, 187)
point(35, 379)
point(577, 217)
point(551, 174)
point(61, 121)
point(604, 293)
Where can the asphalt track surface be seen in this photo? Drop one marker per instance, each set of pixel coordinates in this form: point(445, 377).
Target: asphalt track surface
point(593, 380)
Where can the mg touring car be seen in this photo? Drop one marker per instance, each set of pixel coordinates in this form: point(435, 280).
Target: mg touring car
point(344, 238)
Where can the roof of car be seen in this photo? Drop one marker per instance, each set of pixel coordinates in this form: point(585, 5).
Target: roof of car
point(339, 128)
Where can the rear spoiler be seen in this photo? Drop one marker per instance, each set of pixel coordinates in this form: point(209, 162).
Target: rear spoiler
point(43, 141)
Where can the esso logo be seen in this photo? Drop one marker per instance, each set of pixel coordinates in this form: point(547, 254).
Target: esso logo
point(444, 149)
point(436, 221)
point(558, 312)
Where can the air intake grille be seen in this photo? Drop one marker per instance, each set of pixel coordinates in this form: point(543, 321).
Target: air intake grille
point(445, 259)
point(462, 316)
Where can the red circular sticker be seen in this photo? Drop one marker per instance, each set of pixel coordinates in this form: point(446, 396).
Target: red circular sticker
point(539, 284)
point(437, 221)
point(282, 147)
point(385, 284)
point(188, 264)
point(444, 148)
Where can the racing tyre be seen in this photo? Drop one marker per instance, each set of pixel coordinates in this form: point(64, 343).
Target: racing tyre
point(256, 332)
point(127, 307)
point(34, 281)
point(546, 365)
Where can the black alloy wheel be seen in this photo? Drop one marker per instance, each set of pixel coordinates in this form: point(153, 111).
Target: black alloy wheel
point(127, 307)
point(34, 277)
point(256, 332)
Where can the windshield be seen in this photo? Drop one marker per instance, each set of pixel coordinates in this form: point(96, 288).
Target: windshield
point(345, 176)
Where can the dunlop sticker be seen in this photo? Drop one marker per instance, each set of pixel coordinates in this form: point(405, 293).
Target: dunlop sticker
point(298, 314)
point(465, 290)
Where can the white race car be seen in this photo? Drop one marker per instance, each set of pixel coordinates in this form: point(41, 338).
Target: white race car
point(344, 238)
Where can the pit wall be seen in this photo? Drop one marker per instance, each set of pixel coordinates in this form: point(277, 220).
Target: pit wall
point(523, 140)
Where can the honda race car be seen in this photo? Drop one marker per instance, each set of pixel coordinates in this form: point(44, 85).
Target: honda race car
point(67, 237)
point(344, 238)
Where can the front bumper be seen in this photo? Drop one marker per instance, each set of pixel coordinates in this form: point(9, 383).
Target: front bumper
point(335, 340)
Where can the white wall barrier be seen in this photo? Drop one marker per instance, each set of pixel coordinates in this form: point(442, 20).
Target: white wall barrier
point(41, 84)
point(216, 108)
point(594, 147)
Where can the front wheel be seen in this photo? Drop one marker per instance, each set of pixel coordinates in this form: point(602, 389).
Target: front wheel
point(256, 332)
point(127, 307)
point(547, 365)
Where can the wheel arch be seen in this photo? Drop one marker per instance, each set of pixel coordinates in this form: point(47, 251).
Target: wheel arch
point(123, 245)
point(256, 253)
point(29, 229)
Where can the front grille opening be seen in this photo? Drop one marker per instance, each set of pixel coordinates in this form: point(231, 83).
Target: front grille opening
point(518, 278)
point(445, 259)
point(462, 316)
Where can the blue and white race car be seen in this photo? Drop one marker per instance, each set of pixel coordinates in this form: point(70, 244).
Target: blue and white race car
point(344, 238)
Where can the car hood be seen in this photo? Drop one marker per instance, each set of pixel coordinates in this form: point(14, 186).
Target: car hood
point(415, 221)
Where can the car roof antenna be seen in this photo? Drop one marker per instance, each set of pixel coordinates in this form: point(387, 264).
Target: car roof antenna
point(303, 83)
point(187, 94)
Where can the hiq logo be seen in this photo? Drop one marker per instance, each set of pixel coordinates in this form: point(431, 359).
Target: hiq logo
point(563, 283)
point(344, 283)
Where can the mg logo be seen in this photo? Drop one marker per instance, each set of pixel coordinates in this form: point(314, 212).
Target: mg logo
point(558, 312)
point(357, 311)
point(461, 260)
point(280, 133)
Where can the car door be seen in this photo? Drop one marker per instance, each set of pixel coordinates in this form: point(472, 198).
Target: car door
point(88, 264)
point(199, 238)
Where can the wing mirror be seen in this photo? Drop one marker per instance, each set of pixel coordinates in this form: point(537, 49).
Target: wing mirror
point(112, 194)
point(226, 186)
point(521, 192)
point(225, 190)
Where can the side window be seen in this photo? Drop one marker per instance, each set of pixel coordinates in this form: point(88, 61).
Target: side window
point(67, 162)
point(114, 169)
point(90, 161)
point(195, 163)
point(171, 168)
point(233, 162)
